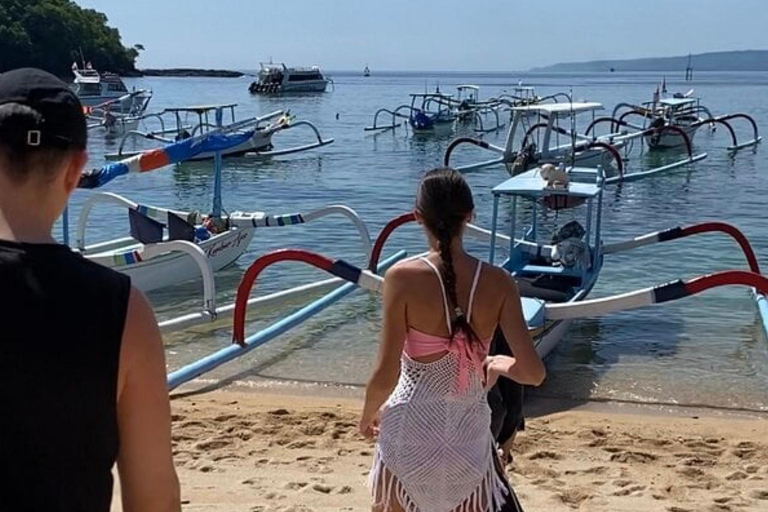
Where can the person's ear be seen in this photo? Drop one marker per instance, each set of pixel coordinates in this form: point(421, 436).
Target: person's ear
point(74, 170)
point(419, 218)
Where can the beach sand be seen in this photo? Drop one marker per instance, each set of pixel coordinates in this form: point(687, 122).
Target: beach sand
point(255, 451)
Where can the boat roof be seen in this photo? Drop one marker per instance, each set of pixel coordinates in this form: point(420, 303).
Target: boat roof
point(676, 102)
point(524, 88)
point(560, 108)
point(430, 95)
point(201, 108)
point(473, 87)
point(531, 184)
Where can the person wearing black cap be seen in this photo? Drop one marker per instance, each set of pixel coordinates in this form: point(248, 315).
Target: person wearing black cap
point(82, 371)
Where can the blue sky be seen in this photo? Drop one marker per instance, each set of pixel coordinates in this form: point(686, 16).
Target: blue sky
point(468, 35)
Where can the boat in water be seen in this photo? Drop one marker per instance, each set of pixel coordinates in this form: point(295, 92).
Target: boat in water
point(367, 71)
point(279, 78)
point(167, 247)
point(555, 259)
point(254, 134)
point(685, 113)
point(94, 90)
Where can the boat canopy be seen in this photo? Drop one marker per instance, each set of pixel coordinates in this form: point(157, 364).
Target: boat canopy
point(430, 95)
point(465, 87)
point(560, 108)
point(531, 184)
point(677, 102)
point(198, 109)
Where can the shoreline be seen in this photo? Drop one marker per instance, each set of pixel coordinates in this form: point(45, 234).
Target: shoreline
point(279, 451)
point(536, 404)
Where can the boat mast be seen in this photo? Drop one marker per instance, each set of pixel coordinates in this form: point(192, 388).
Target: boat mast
point(217, 163)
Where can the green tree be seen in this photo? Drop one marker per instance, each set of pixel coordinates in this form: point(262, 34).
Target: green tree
point(51, 34)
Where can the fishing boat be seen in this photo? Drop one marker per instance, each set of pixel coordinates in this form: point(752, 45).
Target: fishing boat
point(428, 112)
point(94, 89)
point(366, 71)
point(550, 136)
point(556, 266)
point(431, 111)
point(255, 133)
point(108, 118)
point(683, 111)
point(279, 78)
point(167, 247)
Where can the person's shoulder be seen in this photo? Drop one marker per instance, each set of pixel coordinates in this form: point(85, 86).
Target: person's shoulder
point(405, 273)
point(498, 277)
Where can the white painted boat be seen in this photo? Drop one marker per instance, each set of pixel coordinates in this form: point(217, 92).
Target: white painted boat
point(94, 90)
point(279, 78)
point(172, 267)
point(257, 132)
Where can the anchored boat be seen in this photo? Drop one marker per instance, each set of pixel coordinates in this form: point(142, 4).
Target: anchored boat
point(547, 140)
point(682, 111)
point(556, 268)
point(254, 134)
point(168, 247)
point(279, 78)
point(94, 89)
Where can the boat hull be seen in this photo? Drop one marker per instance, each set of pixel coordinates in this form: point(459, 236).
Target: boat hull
point(176, 268)
point(669, 139)
point(548, 339)
point(299, 87)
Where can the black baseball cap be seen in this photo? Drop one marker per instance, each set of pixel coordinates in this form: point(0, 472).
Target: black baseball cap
point(58, 120)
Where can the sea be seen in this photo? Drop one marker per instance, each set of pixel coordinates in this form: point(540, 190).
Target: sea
point(706, 350)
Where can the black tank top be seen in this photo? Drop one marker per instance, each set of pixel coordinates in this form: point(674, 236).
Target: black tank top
point(61, 326)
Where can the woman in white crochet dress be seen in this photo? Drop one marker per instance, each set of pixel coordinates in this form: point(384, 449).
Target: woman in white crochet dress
point(426, 400)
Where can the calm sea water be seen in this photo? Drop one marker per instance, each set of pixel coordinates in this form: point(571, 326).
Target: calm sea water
point(703, 350)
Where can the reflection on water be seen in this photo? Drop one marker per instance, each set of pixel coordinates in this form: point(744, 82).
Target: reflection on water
point(706, 349)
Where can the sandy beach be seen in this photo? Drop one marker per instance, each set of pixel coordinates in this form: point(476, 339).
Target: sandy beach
point(269, 452)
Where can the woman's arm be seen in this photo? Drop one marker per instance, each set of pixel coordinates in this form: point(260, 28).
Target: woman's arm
point(393, 332)
point(147, 477)
point(526, 367)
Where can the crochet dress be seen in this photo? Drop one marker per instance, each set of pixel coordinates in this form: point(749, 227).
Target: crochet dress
point(435, 451)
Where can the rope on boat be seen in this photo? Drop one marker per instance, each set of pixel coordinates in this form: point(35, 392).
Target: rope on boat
point(363, 278)
point(656, 295)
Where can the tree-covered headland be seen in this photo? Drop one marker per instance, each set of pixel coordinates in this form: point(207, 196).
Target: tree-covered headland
point(52, 34)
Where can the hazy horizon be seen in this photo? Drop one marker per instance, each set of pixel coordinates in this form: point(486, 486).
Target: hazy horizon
point(481, 36)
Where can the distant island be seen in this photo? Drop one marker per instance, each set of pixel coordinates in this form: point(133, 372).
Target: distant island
point(190, 72)
point(746, 60)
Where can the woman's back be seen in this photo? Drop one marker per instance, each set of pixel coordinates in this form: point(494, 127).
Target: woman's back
point(477, 291)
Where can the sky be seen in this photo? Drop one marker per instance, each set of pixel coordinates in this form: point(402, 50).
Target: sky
point(422, 35)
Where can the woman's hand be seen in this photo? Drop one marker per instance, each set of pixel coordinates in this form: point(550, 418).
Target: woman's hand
point(369, 425)
point(495, 367)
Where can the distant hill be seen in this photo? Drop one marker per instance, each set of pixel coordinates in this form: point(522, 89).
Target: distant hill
point(747, 60)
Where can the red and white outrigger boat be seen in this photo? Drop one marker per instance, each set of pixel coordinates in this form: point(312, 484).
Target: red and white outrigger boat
point(555, 275)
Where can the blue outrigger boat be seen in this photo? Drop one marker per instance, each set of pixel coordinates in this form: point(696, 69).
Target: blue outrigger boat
point(555, 268)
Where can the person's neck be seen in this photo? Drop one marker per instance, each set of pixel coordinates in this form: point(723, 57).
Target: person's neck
point(457, 249)
point(22, 221)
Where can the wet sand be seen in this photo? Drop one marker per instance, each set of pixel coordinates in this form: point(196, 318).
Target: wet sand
point(270, 452)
